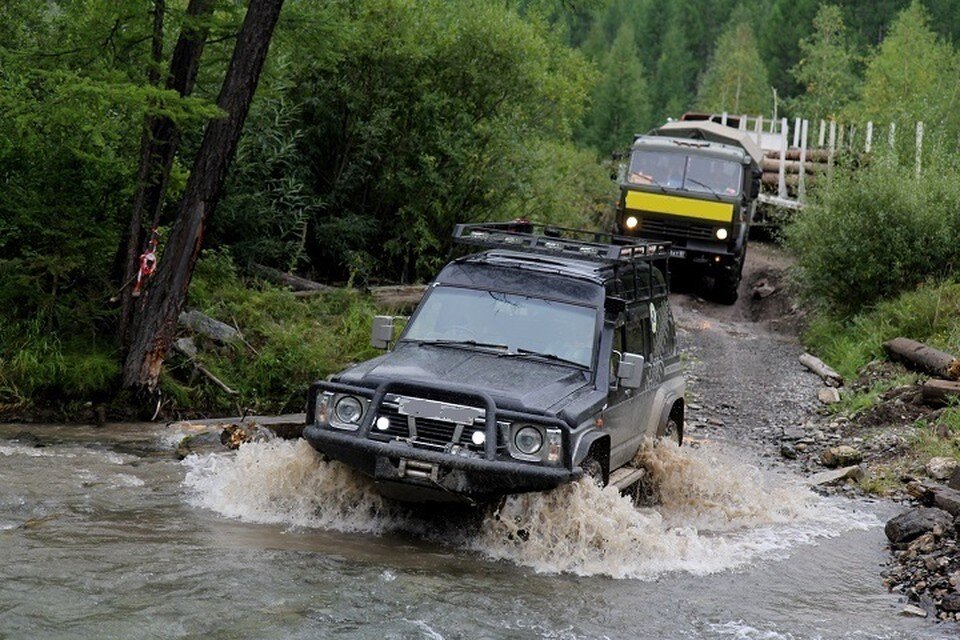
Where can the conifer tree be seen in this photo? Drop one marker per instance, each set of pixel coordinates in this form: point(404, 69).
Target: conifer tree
point(735, 80)
point(827, 68)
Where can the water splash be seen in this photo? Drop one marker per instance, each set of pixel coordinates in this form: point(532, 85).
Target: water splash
point(717, 513)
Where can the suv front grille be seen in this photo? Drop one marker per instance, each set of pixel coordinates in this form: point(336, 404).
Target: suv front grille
point(430, 431)
point(658, 227)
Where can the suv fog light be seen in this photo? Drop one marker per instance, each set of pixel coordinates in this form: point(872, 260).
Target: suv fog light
point(478, 438)
point(554, 445)
point(632, 222)
point(721, 234)
point(348, 410)
point(383, 423)
point(528, 440)
point(321, 412)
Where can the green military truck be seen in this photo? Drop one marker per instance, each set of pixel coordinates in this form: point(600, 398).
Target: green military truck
point(694, 184)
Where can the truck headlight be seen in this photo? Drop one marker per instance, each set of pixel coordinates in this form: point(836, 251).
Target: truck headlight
point(722, 233)
point(528, 440)
point(632, 222)
point(348, 410)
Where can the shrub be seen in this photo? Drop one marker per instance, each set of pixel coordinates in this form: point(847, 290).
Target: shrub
point(875, 232)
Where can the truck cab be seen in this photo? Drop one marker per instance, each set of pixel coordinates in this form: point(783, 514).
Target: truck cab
point(525, 366)
point(694, 184)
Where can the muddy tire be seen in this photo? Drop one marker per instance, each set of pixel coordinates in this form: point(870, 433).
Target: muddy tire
point(670, 431)
point(727, 283)
point(593, 470)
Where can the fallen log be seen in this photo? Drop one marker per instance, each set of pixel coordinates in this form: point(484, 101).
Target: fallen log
point(920, 357)
point(398, 295)
point(815, 364)
point(940, 392)
point(207, 326)
point(294, 282)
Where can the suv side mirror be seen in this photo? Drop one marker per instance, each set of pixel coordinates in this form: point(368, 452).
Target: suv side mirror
point(630, 370)
point(381, 334)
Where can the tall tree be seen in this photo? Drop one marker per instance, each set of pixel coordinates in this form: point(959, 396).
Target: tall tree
point(827, 68)
point(159, 143)
point(913, 75)
point(621, 100)
point(735, 80)
point(154, 327)
point(676, 73)
point(787, 22)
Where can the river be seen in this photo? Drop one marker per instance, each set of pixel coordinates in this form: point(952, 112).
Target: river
point(103, 534)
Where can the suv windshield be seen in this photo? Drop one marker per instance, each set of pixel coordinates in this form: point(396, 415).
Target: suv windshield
point(680, 171)
point(519, 323)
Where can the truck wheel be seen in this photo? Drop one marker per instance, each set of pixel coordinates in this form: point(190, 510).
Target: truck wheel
point(727, 282)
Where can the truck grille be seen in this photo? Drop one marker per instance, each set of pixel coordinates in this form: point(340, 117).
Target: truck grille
point(430, 431)
point(657, 227)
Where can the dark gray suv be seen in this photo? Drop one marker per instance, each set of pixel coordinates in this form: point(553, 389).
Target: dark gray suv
point(546, 357)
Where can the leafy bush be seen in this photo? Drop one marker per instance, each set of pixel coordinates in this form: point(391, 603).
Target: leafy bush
point(877, 231)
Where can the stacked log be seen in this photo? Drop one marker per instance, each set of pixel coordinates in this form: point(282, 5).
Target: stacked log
point(815, 164)
point(944, 387)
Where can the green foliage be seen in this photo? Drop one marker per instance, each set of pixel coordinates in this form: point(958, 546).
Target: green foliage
point(289, 341)
point(875, 232)
point(827, 69)
point(930, 314)
point(735, 81)
point(913, 76)
point(621, 99)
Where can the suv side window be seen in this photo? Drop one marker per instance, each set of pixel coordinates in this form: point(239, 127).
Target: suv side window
point(638, 335)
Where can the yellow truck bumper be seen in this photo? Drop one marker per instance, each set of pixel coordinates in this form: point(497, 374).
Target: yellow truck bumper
point(679, 206)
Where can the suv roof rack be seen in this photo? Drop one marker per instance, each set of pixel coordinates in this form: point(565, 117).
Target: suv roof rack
point(595, 246)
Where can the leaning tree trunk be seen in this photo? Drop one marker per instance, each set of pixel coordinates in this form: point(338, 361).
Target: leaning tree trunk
point(155, 325)
point(159, 144)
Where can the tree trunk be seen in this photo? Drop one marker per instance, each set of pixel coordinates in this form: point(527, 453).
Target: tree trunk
point(159, 144)
point(155, 326)
point(920, 357)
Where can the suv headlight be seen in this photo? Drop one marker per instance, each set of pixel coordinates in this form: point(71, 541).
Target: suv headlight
point(348, 410)
point(528, 440)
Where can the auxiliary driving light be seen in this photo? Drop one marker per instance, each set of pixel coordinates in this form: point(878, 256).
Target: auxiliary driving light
point(632, 222)
point(383, 423)
point(478, 438)
point(721, 234)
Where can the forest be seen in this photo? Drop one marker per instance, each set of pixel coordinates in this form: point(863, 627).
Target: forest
point(378, 124)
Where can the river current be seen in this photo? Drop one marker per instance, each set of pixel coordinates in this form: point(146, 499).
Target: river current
point(103, 534)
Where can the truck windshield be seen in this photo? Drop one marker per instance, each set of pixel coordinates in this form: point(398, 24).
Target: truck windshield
point(689, 172)
point(518, 323)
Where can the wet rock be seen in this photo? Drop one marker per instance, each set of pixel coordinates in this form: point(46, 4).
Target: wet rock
point(234, 435)
point(831, 478)
point(947, 499)
point(912, 524)
point(206, 442)
point(788, 451)
point(954, 482)
point(942, 468)
point(910, 610)
point(951, 602)
point(27, 438)
point(841, 456)
point(829, 395)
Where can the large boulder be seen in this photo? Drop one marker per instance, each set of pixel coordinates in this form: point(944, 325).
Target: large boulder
point(941, 468)
point(915, 522)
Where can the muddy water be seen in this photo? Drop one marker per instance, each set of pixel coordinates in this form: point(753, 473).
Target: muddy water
point(104, 535)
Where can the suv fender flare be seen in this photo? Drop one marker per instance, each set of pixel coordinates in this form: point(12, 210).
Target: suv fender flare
point(672, 405)
point(597, 442)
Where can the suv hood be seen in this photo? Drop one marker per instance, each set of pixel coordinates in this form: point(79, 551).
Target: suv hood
point(518, 383)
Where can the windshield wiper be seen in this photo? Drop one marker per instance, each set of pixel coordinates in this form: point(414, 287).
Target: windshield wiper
point(706, 186)
point(460, 343)
point(527, 353)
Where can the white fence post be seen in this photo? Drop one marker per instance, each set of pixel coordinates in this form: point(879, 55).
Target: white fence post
point(866, 146)
point(802, 178)
point(758, 130)
point(796, 132)
point(782, 179)
point(892, 136)
point(831, 150)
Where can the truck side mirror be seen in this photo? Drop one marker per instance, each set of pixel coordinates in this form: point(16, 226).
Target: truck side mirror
point(381, 334)
point(630, 370)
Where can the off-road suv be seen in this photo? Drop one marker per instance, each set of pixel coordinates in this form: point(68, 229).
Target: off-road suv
point(544, 358)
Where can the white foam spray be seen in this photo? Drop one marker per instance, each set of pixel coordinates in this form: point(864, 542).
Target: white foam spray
point(717, 513)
